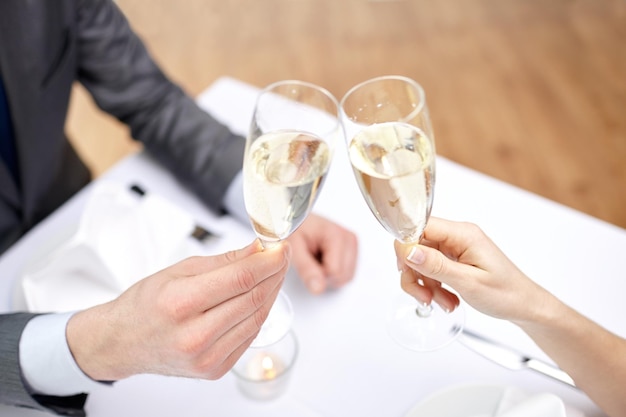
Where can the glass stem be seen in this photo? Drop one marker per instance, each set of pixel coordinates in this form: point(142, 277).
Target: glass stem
point(423, 310)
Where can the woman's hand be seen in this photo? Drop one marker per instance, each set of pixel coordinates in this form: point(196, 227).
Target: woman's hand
point(463, 257)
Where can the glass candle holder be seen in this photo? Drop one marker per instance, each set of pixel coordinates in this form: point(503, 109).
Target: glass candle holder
point(263, 372)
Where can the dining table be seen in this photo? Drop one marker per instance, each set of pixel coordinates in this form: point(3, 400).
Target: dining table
point(347, 364)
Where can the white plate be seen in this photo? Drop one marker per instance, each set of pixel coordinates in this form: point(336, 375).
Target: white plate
point(487, 401)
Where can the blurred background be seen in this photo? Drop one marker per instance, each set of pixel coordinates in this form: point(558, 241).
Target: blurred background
point(532, 92)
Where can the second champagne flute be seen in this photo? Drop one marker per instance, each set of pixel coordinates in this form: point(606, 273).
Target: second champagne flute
point(392, 151)
point(289, 148)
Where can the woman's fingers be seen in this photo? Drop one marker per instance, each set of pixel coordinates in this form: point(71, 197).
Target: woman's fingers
point(427, 290)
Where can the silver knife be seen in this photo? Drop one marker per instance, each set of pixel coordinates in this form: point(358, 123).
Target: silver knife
point(509, 358)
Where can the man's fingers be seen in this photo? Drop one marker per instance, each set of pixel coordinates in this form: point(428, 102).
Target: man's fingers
point(308, 267)
point(231, 359)
point(240, 276)
point(199, 264)
point(219, 351)
point(225, 331)
point(245, 312)
point(189, 295)
point(339, 257)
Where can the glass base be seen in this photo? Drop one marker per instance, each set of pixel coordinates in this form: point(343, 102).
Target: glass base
point(423, 330)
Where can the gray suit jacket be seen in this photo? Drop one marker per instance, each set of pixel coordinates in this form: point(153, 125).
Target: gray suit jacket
point(46, 46)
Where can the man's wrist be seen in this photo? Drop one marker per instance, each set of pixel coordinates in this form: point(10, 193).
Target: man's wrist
point(46, 361)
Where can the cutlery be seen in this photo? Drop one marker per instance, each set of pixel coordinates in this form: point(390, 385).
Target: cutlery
point(509, 358)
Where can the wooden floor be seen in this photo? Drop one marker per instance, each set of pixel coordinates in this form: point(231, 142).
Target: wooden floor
point(529, 91)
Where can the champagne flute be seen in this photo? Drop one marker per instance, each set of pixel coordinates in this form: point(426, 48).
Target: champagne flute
point(289, 148)
point(392, 151)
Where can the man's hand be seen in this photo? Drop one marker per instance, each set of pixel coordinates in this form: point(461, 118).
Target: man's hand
point(193, 319)
point(324, 254)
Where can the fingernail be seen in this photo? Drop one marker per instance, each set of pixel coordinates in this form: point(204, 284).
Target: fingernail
point(401, 265)
point(447, 307)
point(416, 256)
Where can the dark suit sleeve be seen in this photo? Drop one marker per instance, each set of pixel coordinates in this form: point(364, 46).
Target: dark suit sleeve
point(116, 68)
point(13, 390)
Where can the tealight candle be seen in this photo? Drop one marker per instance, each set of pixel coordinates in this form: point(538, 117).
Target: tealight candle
point(264, 366)
point(263, 372)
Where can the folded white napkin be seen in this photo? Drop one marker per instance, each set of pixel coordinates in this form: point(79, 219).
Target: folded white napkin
point(122, 237)
point(134, 235)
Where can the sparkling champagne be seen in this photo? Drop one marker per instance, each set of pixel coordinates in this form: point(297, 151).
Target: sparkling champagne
point(394, 164)
point(283, 174)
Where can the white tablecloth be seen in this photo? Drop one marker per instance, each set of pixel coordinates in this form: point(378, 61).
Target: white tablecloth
point(348, 365)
